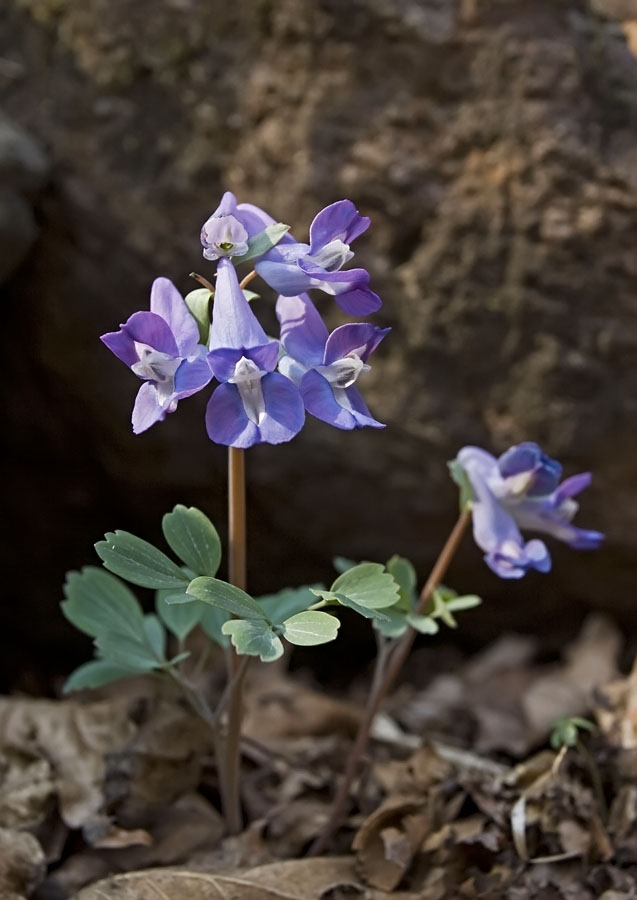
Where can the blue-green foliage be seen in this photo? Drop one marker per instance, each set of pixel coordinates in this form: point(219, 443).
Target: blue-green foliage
point(188, 595)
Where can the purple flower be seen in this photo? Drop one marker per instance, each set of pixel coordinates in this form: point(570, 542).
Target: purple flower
point(161, 347)
point(254, 404)
point(227, 230)
point(521, 489)
point(292, 268)
point(326, 366)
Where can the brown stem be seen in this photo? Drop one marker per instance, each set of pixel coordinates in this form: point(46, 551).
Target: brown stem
point(248, 278)
point(203, 281)
point(236, 518)
point(236, 575)
point(392, 669)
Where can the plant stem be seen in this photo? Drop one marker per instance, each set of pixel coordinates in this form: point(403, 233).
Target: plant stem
point(203, 281)
point(237, 518)
point(394, 665)
point(236, 575)
point(248, 278)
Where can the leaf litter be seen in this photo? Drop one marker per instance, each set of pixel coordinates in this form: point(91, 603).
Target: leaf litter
point(461, 795)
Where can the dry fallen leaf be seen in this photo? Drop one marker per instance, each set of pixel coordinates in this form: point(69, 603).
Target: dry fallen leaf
point(278, 707)
point(73, 738)
point(183, 828)
point(22, 864)
point(304, 879)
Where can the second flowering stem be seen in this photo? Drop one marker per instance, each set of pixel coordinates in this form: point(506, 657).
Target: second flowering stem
point(382, 685)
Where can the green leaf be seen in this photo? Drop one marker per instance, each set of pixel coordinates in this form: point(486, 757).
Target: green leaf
point(250, 295)
point(306, 629)
point(171, 598)
point(198, 302)
point(179, 618)
point(212, 621)
point(405, 577)
point(226, 596)
point(287, 602)
point(139, 562)
point(254, 638)
point(374, 614)
point(393, 624)
point(368, 585)
point(156, 636)
point(265, 240)
point(467, 601)
point(127, 653)
point(193, 538)
point(459, 475)
point(94, 674)
point(98, 602)
point(423, 624)
point(440, 609)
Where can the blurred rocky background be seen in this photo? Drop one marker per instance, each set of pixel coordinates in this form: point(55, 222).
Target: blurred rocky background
point(494, 145)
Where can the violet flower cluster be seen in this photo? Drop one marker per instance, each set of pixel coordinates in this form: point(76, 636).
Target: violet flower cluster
point(521, 490)
point(266, 385)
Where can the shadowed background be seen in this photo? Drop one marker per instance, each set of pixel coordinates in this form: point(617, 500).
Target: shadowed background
point(492, 142)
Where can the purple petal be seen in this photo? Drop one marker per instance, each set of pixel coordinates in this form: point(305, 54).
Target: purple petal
point(223, 361)
point(228, 205)
point(520, 458)
point(191, 377)
point(285, 278)
point(360, 302)
point(533, 555)
point(234, 325)
point(149, 328)
point(339, 221)
point(254, 219)
point(303, 332)
point(266, 356)
point(359, 409)
point(360, 338)
point(147, 409)
point(476, 460)
point(228, 424)
point(572, 486)
point(284, 411)
point(320, 401)
point(167, 302)
point(122, 345)
point(339, 281)
point(543, 516)
point(226, 419)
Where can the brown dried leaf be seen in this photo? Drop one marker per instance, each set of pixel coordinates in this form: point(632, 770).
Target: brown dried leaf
point(22, 864)
point(388, 839)
point(305, 879)
point(188, 826)
point(278, 707)
point(74, 739)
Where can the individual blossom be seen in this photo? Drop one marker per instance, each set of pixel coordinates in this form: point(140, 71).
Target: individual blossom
point(162, 348)
point(521, 489)
point(227, 231)
point(254, 404)
point(292, 268)
point(327, 366)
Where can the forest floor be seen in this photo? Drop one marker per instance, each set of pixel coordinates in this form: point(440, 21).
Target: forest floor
point(113, 796)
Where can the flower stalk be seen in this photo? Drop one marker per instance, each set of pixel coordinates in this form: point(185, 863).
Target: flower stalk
point(379, 691)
